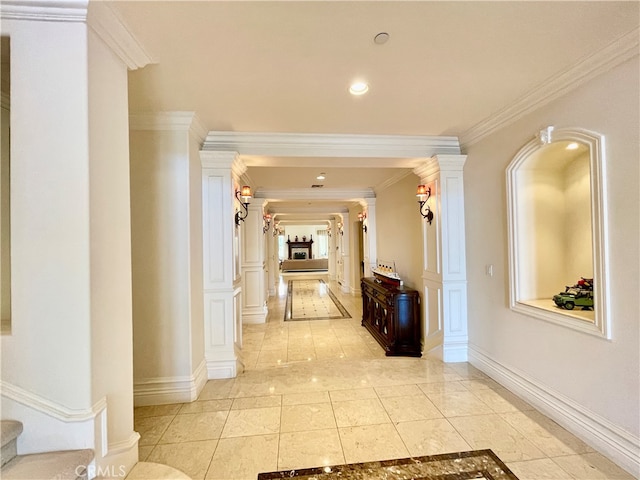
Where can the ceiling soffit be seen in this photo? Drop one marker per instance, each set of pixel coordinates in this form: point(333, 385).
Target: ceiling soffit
point(328, 145)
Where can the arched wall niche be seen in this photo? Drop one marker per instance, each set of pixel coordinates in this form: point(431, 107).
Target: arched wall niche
point(556, 194)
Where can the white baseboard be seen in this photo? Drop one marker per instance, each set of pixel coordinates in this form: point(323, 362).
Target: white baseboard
point(620, 446)
point(163, 390)
point(118, 462)
point(218, 369)
point(455, 352)
point(254, 318)
point(48, 425)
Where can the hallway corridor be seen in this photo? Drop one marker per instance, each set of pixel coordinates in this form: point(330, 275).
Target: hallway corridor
point(321, 392)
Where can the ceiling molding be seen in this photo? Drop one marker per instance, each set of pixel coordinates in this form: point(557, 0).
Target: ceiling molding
point(304, 214)
point(331, 145)
point(45, 10)
point(616, 53)
point(112, 30)
point(171, 121)
point(315, 194)
point(392, 180)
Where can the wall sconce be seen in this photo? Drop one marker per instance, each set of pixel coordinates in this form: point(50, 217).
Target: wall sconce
point(340, 228)
point(423, 195)
point(245, 193)
point(328, 231)
point(267, 223)
point(276, 229)
point(361, 218)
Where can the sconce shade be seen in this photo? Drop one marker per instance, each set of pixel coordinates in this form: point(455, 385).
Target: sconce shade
point(246, 191)
point(361, 216)
point(422, 191)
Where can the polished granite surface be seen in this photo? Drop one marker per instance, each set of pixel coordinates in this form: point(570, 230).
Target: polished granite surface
point(322, 392)
point(479, 464)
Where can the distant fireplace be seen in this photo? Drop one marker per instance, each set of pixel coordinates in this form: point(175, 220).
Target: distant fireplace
point(297, 247)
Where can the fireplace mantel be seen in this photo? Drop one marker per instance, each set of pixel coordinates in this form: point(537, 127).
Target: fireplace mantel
point(298, 244)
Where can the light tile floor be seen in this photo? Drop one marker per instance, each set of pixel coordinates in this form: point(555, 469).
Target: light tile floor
point(322, 392)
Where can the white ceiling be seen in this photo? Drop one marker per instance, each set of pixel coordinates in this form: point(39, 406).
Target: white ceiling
point(285, 67)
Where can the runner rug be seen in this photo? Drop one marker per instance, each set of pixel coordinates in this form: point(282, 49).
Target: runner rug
point(312, 300)
point(479, 464)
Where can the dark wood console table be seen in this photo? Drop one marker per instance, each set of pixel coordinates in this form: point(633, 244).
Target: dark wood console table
point(392, 315)
point(297, 244)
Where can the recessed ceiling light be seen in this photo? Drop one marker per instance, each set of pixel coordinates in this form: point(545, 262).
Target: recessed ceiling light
point(381, 38)
point(572, 146)
point(358, 88)
point(320, 177)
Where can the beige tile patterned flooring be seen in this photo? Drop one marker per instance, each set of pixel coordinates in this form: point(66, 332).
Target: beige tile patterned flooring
point(322, 392)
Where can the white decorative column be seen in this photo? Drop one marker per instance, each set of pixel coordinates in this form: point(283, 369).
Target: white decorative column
point(370, 246)
point(272, 259)
point(221, 264)
point(254, 301)
point(332, 247)
point(444, 270)
point(345, 248)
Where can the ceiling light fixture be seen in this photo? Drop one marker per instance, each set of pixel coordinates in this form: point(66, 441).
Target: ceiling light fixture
point(321, 176)
point(381, 38)
point(358, 88)
point(572, 146)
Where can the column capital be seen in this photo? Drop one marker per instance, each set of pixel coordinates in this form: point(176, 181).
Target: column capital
point(440, 163)
point(223, 159)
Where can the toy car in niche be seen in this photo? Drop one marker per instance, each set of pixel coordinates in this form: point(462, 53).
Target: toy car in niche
point(578, 295)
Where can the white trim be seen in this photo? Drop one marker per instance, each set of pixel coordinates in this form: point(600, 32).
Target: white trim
point(122, 446)
point(45, 10)
point(48, 407)
point(392, 180)
point(179, 121)
point(330, 145)
point(614, 54)
point(619, 445)
point(315, 193)
point(218, 369)
point(161, 390)
point(599, 219)
point(113, 31)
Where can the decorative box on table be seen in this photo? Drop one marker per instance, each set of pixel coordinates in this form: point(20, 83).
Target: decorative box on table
point(391, 311)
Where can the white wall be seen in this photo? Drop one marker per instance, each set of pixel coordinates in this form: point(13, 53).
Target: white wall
point(399, 229)
point(50, 213)
point(5, 225)
point(195, 253)
point(578, 245)
point(111, 307)
point(47, 355)
point(584, 373)
point(166, 225)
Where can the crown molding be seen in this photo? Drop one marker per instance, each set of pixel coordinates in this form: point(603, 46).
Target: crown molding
point(331, 145)
point(48, 407)
point(392, 180)
point(614, 54)
point(316, 194)
point(113, 31)
point(167, 121)
point(45, 10)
